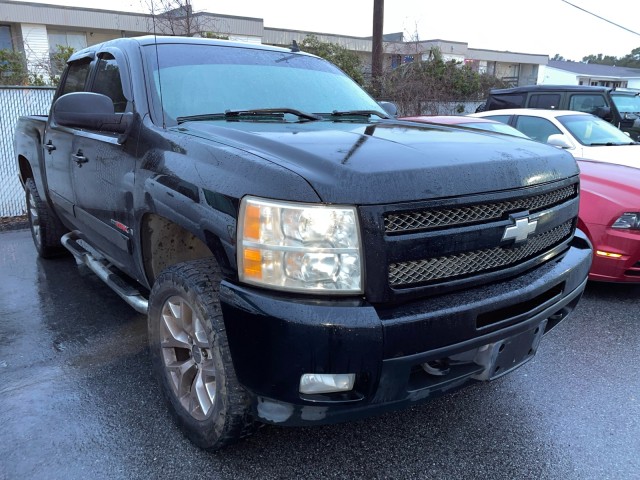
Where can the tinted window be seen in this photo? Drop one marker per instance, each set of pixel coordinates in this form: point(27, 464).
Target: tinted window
point(548, 101)
point(536, 128)
point(76, 76)
point(107, 82)
point(497, 102)
point(586, 102)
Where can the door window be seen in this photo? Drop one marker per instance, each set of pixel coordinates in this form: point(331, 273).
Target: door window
point(107, 82)
point(548, 101)
point(586, 102)
point(536, 128)
point(76, 76)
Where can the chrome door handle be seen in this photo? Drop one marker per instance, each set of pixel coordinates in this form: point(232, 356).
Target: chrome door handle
point(79, 158)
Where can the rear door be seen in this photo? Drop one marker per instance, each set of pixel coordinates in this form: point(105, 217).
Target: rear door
point(58, 142)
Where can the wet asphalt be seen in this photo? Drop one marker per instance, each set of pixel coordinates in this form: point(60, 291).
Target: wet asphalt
point(78, 400)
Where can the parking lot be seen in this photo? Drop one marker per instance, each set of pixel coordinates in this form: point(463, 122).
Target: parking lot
point(77, 399)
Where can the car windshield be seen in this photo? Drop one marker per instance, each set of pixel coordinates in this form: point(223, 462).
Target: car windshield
point(204, 80)
point(627, 103)
point(495, 127)
point(591, 130)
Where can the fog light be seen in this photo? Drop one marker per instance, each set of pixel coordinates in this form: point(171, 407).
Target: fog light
point(326, 382)
point(608, 254)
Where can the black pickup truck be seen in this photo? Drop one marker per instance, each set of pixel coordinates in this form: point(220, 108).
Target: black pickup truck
point(302, 256)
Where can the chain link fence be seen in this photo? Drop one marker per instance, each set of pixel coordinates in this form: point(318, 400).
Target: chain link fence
point(14, 102)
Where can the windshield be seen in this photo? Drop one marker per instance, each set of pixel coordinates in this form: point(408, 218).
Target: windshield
point(591, 130)
point(209, 79)
point(627, 103)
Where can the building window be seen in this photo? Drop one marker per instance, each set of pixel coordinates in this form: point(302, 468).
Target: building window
point(75, 40)
point(59, 38)
point(5, 38)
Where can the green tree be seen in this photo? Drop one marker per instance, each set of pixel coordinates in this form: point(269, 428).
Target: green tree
point(345, 59)
point(631, 60)
point(13, 68)
point(57, 62)
point(601, 59)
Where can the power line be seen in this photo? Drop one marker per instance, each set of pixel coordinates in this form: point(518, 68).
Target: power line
point(601, 18)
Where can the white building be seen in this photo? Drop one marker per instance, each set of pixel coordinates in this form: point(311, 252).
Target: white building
point(578, 73)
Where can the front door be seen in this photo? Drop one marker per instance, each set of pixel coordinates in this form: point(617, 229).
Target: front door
point(103, 173)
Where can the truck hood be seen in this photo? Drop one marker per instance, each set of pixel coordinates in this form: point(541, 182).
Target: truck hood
point(392, 161)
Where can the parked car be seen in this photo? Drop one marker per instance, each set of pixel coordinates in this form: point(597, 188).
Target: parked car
point(619, 106)
point(485, 124)
point(581, 134)
point(610, 216)
point(609, 208)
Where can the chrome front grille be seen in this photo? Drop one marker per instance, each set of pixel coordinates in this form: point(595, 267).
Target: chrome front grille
point(474, 262)
point(448, 217)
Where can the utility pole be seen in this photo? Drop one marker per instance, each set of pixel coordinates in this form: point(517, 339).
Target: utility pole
point(376, 54)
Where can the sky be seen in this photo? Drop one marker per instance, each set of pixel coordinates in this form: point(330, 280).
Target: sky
point(546, 27)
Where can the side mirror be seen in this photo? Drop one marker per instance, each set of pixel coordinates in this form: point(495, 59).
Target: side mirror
point(604, 113)
point(389, 107)
point(559, 140)
point(92, 111)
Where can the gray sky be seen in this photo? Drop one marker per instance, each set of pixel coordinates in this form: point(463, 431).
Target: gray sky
point(541, 27)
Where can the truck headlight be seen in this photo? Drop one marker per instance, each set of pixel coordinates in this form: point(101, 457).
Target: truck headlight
point(628, 221)
point(299, 247)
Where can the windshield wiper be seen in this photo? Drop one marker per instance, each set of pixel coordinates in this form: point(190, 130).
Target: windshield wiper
point(611, 144)
point(253, 113)
point(357, 113)
point(271, 111)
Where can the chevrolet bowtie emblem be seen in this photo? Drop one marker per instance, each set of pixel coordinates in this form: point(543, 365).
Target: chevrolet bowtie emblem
point(520, 231)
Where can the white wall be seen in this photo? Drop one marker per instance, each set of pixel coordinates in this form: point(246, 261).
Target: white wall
point(552, 76)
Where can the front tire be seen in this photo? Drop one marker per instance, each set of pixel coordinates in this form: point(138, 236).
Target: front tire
point(191, 357)
point(46, 228)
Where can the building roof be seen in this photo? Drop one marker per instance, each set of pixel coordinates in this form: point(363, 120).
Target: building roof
point(595, 70)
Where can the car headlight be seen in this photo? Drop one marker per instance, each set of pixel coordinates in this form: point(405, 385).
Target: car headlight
point(628, 221)
point(299, 247)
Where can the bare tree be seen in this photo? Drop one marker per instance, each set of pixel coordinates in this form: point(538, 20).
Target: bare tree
point(177, 17)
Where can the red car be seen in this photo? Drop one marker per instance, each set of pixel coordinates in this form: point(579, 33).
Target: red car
point(609, 209)
point(610, 216)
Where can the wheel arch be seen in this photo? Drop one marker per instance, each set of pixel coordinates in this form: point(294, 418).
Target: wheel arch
point(165, 242)
point(24, 169)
